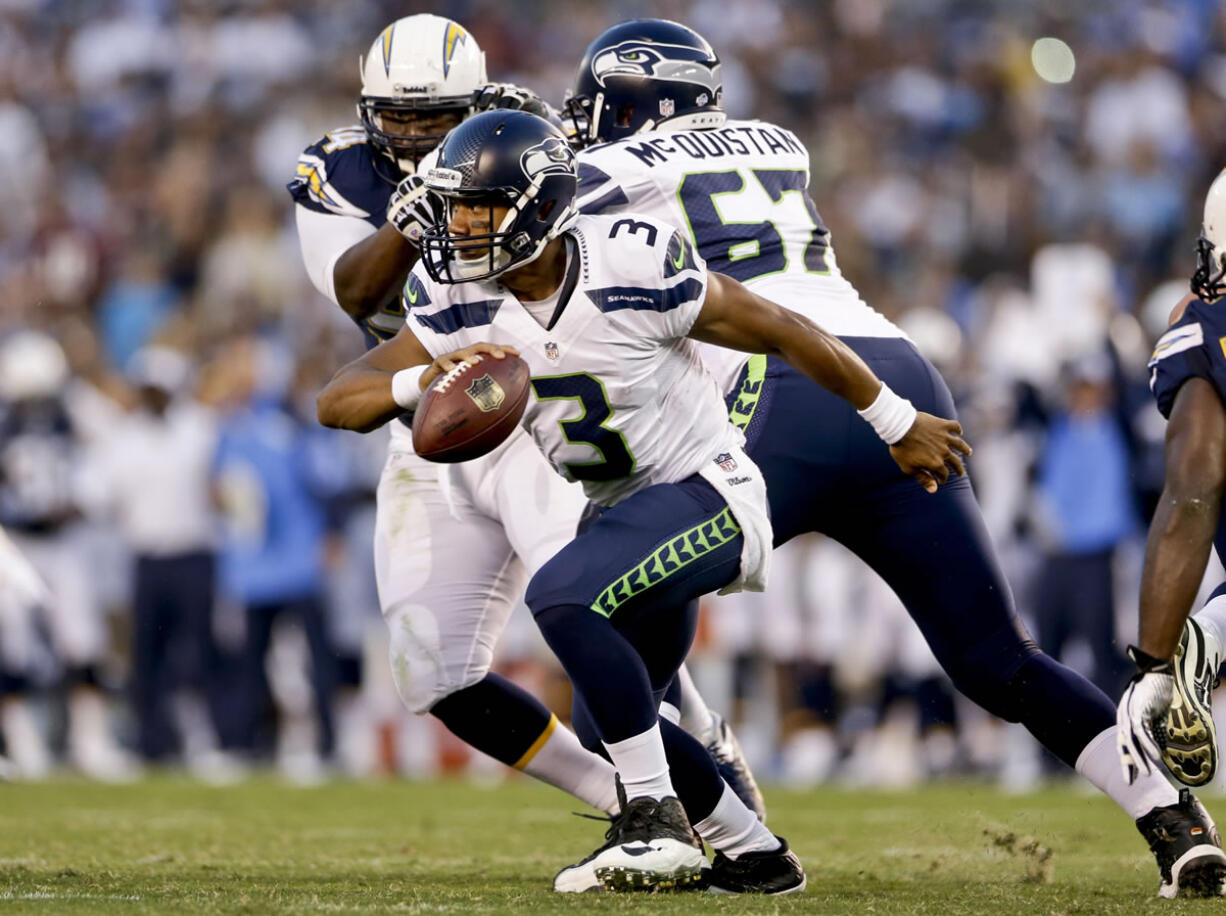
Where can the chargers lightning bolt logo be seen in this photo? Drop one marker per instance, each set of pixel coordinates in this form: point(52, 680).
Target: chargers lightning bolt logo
point(386, 41)
point(452, 38)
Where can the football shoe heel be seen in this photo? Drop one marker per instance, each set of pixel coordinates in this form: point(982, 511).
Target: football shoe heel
point(1185, 843)
point(776, 872)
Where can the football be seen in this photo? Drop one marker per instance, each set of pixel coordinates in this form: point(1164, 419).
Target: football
point(470, 411)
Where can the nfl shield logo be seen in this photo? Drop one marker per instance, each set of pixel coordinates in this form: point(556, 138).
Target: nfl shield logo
point(551, 350)
point(725, 461)
point(486, 393)
point(667, 108)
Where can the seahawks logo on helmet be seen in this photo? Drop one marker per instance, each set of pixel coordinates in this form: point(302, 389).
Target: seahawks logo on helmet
point(552, 156)
point(658, 61)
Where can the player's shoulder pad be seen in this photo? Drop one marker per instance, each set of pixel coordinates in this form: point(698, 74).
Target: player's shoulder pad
point(639, 254)
point(442, 308)
point(1194, 346)
point(338, 175)
point(604, 178)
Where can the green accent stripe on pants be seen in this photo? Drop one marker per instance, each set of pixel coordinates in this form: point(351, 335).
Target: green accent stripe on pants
point(676, 553)
point(747, 396)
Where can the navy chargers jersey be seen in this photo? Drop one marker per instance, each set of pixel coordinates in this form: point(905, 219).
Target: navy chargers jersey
point(340, 175)
point(1194, 346)
point(38, 459)
point(343, 179)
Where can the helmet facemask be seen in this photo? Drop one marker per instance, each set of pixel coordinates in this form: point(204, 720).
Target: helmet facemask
point(513, 243)
point(498, 159)
point(380, 116)
point(1207, 281)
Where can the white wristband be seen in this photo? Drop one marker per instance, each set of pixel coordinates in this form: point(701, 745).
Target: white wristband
point(406, 386)
point(890, 416)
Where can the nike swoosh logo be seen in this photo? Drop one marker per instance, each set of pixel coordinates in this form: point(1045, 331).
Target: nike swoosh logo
point(410, 295)
point(631, 851)
point(679, 262)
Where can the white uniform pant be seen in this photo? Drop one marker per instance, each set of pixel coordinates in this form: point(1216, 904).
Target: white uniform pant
point(72, 617)
point(455, 546)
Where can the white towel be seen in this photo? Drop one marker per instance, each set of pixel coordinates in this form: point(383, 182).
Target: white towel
point(740, 482)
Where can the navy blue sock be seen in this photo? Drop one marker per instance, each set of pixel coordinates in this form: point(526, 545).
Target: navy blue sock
point(1059, 706)
point(698, 784)
point(495, 717)
point(604, 668)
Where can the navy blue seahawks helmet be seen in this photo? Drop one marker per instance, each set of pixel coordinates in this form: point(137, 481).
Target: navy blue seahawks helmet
point(641, 75)
point(499, 158)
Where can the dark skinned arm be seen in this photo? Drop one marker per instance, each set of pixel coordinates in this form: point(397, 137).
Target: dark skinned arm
point(359, 396)
point(371, 273)
point(734, 317)
point(1181, 532)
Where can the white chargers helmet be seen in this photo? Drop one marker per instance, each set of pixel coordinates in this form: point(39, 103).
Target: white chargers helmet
point(1207, 282)
point(32, 367)
point(422, 68)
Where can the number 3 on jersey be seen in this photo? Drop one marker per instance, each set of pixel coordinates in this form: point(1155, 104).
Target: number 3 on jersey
point(588, 428)
point(750, 248)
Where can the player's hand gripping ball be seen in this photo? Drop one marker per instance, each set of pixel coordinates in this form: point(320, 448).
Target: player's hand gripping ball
point(472, 406)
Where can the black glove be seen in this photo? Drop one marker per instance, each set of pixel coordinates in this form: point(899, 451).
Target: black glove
point(508, 95)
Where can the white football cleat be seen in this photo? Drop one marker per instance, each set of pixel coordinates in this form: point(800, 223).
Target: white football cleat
point(1190, 736)
point(649, 846)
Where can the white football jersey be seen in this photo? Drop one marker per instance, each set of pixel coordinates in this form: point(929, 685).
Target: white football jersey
point(741, 192)
point(620, 398)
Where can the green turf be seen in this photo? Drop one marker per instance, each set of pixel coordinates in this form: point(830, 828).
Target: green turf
point(174, 846)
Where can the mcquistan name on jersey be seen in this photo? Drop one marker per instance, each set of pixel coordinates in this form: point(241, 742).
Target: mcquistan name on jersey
point(740, 140)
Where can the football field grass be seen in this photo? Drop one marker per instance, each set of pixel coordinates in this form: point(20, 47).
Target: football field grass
point(168, 846)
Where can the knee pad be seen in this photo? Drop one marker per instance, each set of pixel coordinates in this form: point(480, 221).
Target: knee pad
point(987, 672)
point(424, 669)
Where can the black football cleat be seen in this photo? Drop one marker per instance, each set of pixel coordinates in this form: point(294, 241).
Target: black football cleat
point(1185, 842)
point(730, 761)
point(650, 846)
point(776, 872)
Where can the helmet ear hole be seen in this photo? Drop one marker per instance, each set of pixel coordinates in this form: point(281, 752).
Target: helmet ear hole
point(625, 115)
point(543, 213)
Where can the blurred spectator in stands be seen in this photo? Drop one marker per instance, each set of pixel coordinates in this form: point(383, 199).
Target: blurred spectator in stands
point(155, 466)
point(1085, 505)
point(273, 551)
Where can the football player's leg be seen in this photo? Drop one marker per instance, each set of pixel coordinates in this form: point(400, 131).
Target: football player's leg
point(934, 551)
point(616, 606)
point(586, 595)
point(540, 513)
point(447, 587)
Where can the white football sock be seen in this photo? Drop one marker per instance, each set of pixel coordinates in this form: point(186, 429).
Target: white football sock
point(642, 765)
point(696, 716)
point(562, 761)
point(1100, 763)
point(1212, 617)
point(735, 830)
point(670, 713)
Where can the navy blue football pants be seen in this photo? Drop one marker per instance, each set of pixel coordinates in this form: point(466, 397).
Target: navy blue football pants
point(618, 608)
point(827, 471)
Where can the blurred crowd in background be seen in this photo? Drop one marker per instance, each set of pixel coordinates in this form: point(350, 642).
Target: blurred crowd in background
point(1026, 209)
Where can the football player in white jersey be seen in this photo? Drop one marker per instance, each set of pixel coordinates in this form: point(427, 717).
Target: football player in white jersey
point(603, 310)
point(453, 546)
point(648, 104)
